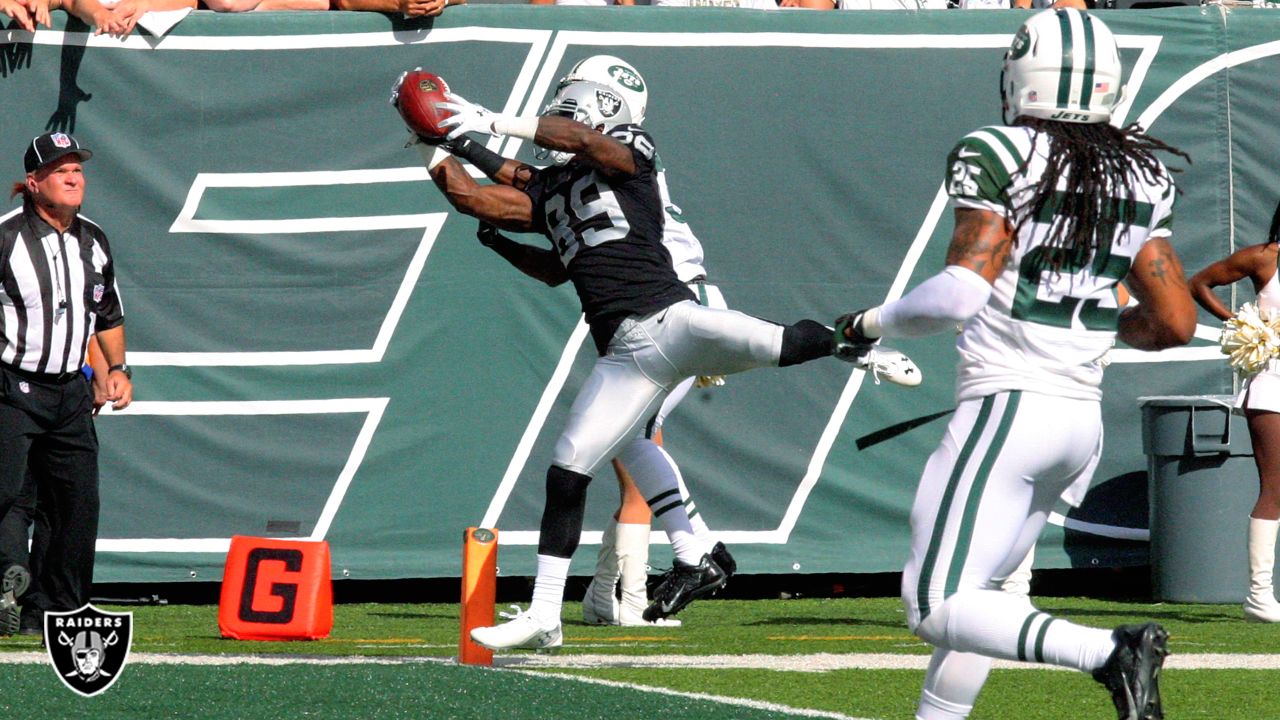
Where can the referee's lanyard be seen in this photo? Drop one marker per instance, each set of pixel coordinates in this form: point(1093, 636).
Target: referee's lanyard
point(61, 309)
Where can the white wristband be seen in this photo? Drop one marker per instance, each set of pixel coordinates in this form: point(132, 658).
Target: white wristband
point(871, 322)
point(432, 155)
point(521, 127)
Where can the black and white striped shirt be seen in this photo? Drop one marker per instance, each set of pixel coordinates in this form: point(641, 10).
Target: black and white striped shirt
point(56, 291)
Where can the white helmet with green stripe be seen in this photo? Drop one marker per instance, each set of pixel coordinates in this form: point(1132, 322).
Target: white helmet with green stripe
point(617, 74)
point(1063, 65)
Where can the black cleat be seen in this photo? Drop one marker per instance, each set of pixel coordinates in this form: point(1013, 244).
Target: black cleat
point(720, 556)
point(1132, 672)
point(683, 584)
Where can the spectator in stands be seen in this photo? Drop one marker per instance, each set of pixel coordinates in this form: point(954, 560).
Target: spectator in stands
point(1022, 4)
point(117, 18)
point(125, 14)
point(406, 8)
point(892, 4)
point(754, 4)
point(750, 4)
point(582, 2)
point(24, 16)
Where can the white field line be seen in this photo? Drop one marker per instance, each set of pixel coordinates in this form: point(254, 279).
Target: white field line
point(815, 662)
point(722, 699)
point(827, 662)
point(216, 660)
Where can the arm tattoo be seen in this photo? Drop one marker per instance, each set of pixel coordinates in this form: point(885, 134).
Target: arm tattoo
point(1166, 270)
point(1157, 270)
point(978, 243)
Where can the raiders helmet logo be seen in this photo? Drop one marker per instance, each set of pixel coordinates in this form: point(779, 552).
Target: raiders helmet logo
point(88, 647)
point(608, 103)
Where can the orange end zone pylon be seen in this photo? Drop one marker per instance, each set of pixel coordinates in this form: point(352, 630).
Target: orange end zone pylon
point(479, 591)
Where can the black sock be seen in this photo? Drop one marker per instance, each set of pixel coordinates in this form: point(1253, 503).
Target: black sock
point(804, 341)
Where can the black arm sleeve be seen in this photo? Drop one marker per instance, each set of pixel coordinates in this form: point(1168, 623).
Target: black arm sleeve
point(484, 159)
point(542, 264)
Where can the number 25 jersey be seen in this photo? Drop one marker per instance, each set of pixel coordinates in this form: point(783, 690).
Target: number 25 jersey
point(609, 236)
point(1045, 330)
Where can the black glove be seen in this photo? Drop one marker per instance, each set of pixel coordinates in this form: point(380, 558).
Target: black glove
point(849, 327)
point(489, 236)
point(849, 338)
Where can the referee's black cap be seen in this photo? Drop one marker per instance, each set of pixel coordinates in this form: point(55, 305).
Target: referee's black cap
point(51, 146)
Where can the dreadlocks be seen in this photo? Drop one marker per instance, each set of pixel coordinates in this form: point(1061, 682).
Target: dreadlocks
point(1102, 159)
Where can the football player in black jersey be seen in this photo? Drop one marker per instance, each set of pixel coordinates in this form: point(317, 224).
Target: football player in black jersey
point(598, 203)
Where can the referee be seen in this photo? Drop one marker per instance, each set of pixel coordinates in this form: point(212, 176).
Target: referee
point(57, 289)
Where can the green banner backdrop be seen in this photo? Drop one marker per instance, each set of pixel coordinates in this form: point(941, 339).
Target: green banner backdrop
point(323, 350)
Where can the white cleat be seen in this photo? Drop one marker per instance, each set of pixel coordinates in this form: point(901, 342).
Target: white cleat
point(522, 632)
point(888, 364)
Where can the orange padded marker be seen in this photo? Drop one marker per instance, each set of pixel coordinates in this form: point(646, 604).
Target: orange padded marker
point(479, 591)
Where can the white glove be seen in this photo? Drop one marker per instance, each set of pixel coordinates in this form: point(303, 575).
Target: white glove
point(467, 117)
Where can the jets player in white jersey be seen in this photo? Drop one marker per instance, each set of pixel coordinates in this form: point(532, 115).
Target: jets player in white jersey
point(598, 204)
point(1052, 210)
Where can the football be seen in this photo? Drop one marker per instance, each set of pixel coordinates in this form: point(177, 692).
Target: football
point(418, 94)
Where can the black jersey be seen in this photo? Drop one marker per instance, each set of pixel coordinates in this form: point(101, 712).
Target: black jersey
point(609, 236)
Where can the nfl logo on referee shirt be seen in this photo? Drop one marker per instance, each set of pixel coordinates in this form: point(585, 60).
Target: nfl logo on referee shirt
point(88, 647)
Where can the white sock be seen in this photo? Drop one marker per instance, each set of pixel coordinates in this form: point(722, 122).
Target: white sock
point(654, 474)
point(952, 684)
point(933, 707)
point(548, 588)
point(698, 524)
point(1071, 645)
point(1000, 625)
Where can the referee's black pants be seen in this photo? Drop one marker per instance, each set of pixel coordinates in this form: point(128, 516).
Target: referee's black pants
point(48, 426)
point(16, 526)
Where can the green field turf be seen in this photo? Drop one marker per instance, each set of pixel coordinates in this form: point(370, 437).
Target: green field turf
point(214, 678)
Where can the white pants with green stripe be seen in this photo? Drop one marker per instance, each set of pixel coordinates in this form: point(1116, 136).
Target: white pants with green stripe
point(987, 491)
point(983, 499)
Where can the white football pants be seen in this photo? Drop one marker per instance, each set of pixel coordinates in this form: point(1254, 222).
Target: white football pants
point(647, 358)
point(983, 499)
point(710, 296)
